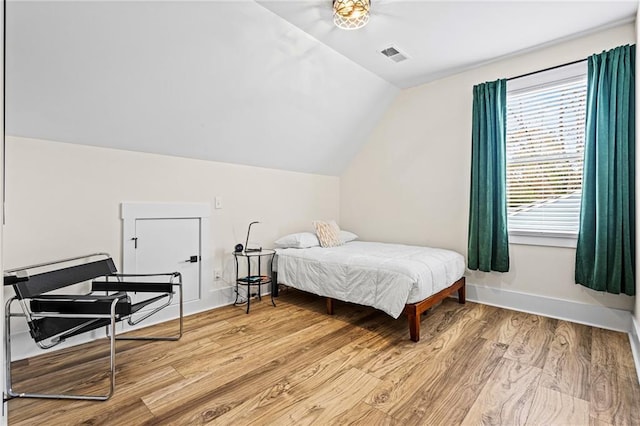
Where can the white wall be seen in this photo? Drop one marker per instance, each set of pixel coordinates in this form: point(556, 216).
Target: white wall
point(3, 415)
point(410, 182)
point(64, 199)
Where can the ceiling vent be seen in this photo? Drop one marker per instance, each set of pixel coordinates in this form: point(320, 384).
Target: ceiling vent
point(393, 54)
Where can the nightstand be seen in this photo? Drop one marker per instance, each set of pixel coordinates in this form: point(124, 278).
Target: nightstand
point(256, 279)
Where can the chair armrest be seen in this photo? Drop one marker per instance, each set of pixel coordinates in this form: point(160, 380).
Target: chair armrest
point(138, 286)
point(84, 304)
point(15, 278)
point(170, 275)
point(141, 287)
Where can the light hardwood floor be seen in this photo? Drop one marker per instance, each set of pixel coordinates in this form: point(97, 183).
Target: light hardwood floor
point(293, 364)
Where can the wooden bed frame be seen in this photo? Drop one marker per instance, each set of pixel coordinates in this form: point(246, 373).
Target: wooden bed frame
point(415, 310)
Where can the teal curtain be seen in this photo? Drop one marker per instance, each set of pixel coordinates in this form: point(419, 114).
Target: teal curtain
point(605, 255)
point(488, 244)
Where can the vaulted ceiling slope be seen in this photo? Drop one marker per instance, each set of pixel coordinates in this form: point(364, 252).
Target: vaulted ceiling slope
point(222, 81)
point(442, 37)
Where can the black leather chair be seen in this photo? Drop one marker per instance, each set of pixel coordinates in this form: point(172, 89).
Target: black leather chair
point(53, 318)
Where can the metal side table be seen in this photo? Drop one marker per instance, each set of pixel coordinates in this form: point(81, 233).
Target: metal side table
point(253, 279)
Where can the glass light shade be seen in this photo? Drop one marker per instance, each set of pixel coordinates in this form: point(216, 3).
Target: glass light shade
point(351, 14)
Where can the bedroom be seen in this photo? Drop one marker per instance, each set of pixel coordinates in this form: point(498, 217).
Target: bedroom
point(278, 86)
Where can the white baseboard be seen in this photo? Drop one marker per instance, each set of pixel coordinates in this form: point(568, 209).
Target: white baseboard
point(581, 313)
point(23, 346)
point(634, 340)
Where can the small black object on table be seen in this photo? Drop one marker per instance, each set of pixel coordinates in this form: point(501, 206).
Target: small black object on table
point(253, 279)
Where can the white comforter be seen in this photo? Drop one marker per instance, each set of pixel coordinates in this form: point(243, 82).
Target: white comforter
point(385, 276)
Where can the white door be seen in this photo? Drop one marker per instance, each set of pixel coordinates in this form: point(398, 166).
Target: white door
point(168, 245)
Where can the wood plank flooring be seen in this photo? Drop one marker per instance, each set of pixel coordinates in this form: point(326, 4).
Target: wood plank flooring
point(293, 364)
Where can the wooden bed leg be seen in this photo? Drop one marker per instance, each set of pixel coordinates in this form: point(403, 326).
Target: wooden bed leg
point(414, 310)
point(462, 294)
point(329, 306)
point(414, 326)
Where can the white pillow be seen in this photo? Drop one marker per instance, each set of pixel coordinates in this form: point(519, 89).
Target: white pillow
point(346, 236)
point(299, 240)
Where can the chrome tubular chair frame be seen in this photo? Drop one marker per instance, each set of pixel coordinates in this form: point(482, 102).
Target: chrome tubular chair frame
point(94, 311)
point(112, 358)
point(143, 317)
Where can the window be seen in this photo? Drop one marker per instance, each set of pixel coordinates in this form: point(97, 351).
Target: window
point(546, 115)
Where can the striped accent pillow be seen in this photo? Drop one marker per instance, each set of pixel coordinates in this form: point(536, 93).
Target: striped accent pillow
point(328, 233)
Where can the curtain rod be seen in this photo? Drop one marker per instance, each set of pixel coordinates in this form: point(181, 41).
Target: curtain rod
point(547, 69)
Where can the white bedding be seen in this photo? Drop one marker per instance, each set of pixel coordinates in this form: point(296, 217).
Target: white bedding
point(385, 276)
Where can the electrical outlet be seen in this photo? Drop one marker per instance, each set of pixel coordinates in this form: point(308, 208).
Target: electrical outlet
point(217, 275)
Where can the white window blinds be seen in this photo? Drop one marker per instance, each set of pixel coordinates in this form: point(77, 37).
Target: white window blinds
point(545, 149)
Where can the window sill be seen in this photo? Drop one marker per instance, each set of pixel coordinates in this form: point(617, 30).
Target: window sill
point(543, 240)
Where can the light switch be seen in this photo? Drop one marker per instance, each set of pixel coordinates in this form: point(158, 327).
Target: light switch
point(218, 202)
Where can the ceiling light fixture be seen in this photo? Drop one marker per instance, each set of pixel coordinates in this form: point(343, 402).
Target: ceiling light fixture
point(351, 14)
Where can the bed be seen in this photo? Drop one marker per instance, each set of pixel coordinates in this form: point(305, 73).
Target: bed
point(394, 278)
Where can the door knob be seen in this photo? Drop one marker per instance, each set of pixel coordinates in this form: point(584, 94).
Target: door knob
point(192, 259)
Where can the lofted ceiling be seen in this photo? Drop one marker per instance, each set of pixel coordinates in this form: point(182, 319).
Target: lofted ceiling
point(441, 38)
point(221, 81)
point(266, 83)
